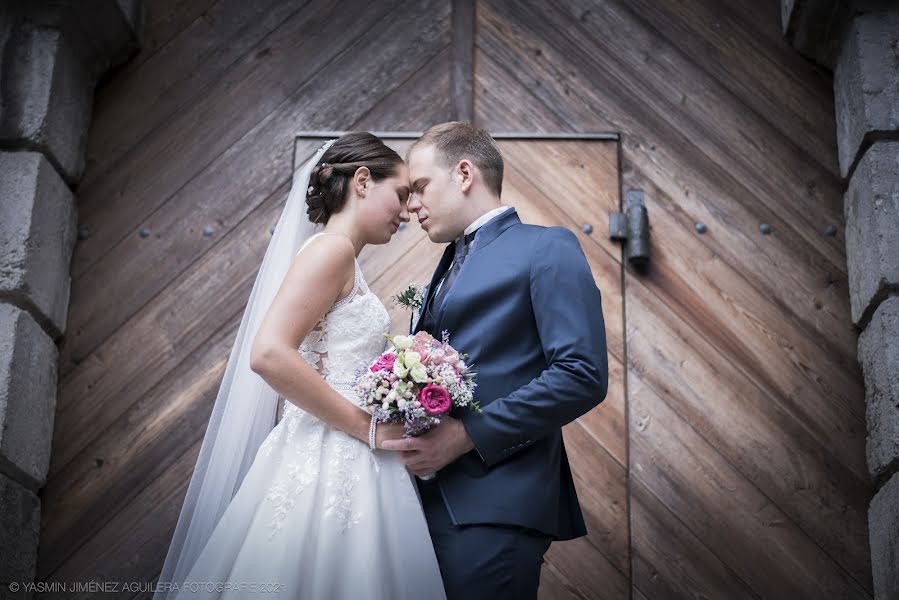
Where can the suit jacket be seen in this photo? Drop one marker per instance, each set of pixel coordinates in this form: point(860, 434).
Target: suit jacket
point(526, 310)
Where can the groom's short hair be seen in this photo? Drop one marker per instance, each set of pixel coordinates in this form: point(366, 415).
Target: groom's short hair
point(455, 140)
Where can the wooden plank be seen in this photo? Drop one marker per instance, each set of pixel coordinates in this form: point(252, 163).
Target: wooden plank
point(601, 484)
point(784, 463)
point(774, 81)
point(138, 101)
point(747, 531)
point(817, 319)
point(138, 447)
point(230, 109)
point(699, 109)
point(163, 21)
point(462, 73)
point(670, 560)
point(803, 374)
point(132, 546)
point(813, 295)
point(554, 587)
point(821, 311)
point(209, 197)
point(599, 92)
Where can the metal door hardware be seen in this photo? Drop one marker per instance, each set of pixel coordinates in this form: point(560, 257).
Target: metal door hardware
point(632, 227)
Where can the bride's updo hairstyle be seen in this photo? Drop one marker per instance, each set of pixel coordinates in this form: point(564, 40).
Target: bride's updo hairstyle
point(330, 179)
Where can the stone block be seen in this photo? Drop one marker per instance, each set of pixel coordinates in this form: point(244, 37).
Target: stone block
point(28, 375)
point(871, 211)
point(47, 97)
point(20, 522)
point(866, 83)
point(38, 229)
point(878, 354)
point(883, 531)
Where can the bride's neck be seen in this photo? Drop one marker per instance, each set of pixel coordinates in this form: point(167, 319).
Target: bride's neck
point(341, 229)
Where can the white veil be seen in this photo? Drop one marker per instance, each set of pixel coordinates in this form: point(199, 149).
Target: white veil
point(244, 410)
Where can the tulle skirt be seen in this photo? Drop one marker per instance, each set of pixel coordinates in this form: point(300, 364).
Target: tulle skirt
point(319, 516)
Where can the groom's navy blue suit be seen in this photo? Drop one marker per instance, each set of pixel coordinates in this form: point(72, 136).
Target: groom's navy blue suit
point(527, 311)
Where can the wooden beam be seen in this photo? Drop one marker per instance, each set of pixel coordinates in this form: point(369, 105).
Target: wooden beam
point(462, 73)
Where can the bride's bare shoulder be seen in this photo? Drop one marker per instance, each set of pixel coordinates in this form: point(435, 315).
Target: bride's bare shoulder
point(327, 255)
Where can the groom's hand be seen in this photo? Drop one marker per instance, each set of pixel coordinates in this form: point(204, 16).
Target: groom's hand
point(430, 452)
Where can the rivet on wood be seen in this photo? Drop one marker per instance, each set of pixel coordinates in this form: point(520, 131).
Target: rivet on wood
point(830, 230)
point(701, 228)
point(83, 233)
point(207, 231)
point(145, 232)
point(587, 228)
point(765, 228)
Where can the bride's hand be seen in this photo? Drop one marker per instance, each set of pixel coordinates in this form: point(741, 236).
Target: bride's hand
point(388, 431)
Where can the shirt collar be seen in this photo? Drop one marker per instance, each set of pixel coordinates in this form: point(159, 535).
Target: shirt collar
point(485, 218)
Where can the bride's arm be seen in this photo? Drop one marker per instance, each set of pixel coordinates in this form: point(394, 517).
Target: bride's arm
point(313, 283)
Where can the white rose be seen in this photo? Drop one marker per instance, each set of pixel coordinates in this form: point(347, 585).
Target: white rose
point(399, 368)
point(401, 403)
point(419, 373)
point(410, 358)
point(403, 342)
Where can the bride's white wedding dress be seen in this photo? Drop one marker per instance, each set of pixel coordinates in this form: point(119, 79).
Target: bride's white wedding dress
point(319, 515)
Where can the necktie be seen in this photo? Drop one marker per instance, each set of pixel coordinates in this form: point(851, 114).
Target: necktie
point(461, 251)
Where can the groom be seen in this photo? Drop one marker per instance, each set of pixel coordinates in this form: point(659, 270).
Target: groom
point(521, 301)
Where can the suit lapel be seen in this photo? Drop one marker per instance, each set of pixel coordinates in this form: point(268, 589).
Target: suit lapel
point(442, 266)
point(486, 234)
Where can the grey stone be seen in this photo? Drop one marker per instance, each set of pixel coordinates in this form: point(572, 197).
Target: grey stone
point(20, 521)
point(883, 527)
point(28, 373)
point(814, 27)
point(878, 355)
point(47, 97)
point(38, 228)
point(866, 83)
point(871, 210)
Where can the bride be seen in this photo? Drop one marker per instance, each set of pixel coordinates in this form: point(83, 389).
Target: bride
point(310, 507)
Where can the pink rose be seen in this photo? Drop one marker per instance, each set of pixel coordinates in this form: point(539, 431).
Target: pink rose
point(424, 350)
point(385, 363)
point(434, 399)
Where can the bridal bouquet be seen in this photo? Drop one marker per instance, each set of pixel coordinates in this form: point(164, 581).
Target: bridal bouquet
point(416, 381)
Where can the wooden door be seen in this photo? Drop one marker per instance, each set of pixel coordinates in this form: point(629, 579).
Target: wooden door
point(572, 183)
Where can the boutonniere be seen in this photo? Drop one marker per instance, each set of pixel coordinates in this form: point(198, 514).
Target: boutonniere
point(412, 297)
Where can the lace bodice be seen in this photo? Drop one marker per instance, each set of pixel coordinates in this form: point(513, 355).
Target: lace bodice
point(349, 337)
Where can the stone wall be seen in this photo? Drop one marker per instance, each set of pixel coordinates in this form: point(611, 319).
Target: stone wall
point(52, 54)
point(859, 41)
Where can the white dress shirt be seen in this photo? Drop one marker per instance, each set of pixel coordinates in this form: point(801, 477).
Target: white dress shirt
point(483, 219)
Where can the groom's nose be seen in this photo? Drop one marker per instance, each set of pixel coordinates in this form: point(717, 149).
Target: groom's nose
point(413, 205)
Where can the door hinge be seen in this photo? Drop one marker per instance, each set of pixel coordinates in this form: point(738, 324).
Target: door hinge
point(632, 227)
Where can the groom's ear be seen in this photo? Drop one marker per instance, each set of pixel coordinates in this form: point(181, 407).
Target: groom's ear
point(465, 169)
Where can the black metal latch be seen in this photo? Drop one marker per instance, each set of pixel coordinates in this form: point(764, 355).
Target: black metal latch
point(632, 227)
